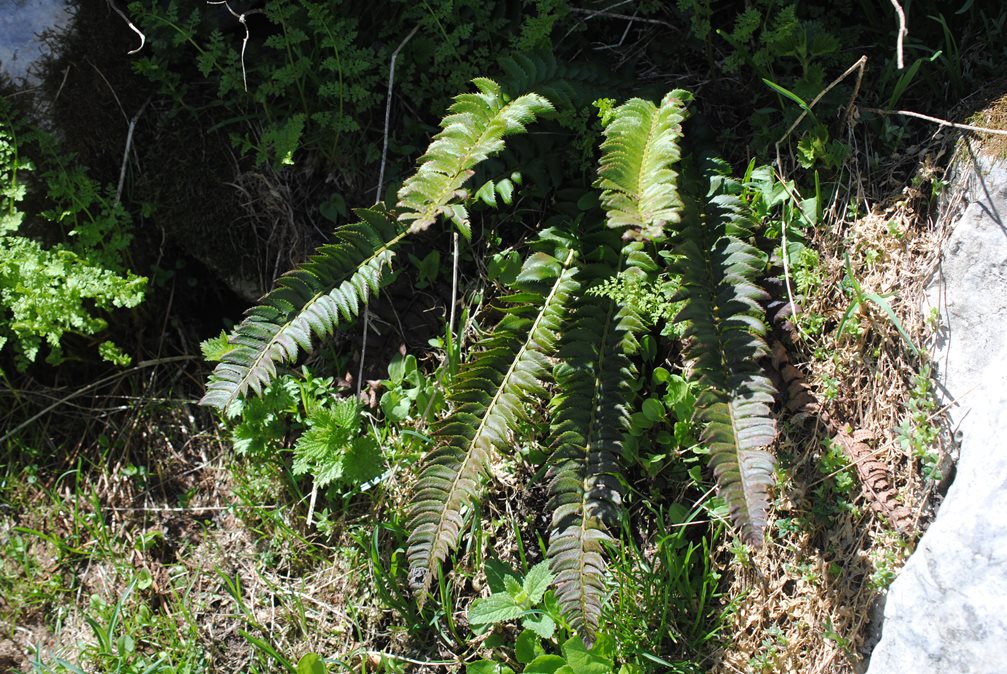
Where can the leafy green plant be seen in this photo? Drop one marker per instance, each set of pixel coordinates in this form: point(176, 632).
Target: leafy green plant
point(550, 331)
point(918, 432)
point(518, 600)
point(575, 657)
point(861, 298)
point(47, 293)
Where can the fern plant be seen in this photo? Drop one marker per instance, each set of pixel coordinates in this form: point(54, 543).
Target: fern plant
point(560, 351)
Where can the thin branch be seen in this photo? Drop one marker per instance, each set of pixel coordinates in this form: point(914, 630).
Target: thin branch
point(591, 13)
point(143, 38)
point(388, 111)
point(377, 198)
point(859, 65)
point(786, 256)
point(938, 120)
point(903, 31)
point(244, 42)
point(454, 286)
point(125, 152)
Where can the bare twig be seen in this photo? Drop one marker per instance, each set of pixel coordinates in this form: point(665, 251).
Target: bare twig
point(110, 88)
point(244, 43)
point(591, 13)
point(388, 111)
point(454, 286)
point(125, 152)
point(938, 120)
point(903, 31)
point(143, 38)
point(786, 256)
point(859, 65)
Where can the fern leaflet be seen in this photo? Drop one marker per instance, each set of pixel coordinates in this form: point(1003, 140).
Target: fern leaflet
point(589, 419)
point(472, 131)
point(310, 300)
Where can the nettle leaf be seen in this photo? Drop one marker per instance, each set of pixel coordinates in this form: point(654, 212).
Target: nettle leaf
point(581, 660)
point(214, 348)
point(542, 625)
point(545, 664)
point(537, 582)
point(494, 609)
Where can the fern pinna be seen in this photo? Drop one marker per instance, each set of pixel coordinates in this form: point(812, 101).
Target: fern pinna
point(589, 418)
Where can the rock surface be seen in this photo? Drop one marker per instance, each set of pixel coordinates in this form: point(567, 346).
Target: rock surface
point(947, 610)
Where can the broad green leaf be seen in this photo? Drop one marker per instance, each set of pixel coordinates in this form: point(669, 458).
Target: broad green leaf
point(487, 667)
point(583, 661)
point(542, 625)
point(537, 581)
point(493, 609)
point(311, 663)
point(527, 647)
point(545, 664)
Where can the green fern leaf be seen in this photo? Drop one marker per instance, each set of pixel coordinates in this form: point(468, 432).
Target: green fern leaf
point(725, 339)
point(639, 186)
point(589, 420)
point(472, 131)
point(488, 395)
point(569, 86)
point(311, 300)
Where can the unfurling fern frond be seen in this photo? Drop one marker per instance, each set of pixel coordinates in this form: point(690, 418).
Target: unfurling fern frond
point(725, 332)
point(639, 186)
point(472, 131)
point(487, 396)
point(590, 417)
point(311, 300)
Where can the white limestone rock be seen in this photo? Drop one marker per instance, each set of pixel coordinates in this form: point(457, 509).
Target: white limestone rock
point(947, 610)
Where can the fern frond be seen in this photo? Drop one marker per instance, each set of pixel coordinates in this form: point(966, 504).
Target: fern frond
point(311, 300)
point(639, 186)
point(472, 131)
point(725, 339)
point(488, 396)
point(589, 420)
point(568, 86)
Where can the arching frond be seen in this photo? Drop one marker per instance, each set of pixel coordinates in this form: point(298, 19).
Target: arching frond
point(488, 394)
point(313, 299)
point(726, 329)
point(638, 183)
point(472, 131)
point(590, 417)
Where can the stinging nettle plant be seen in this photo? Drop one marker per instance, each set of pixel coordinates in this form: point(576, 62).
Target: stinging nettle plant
point(557, 352)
